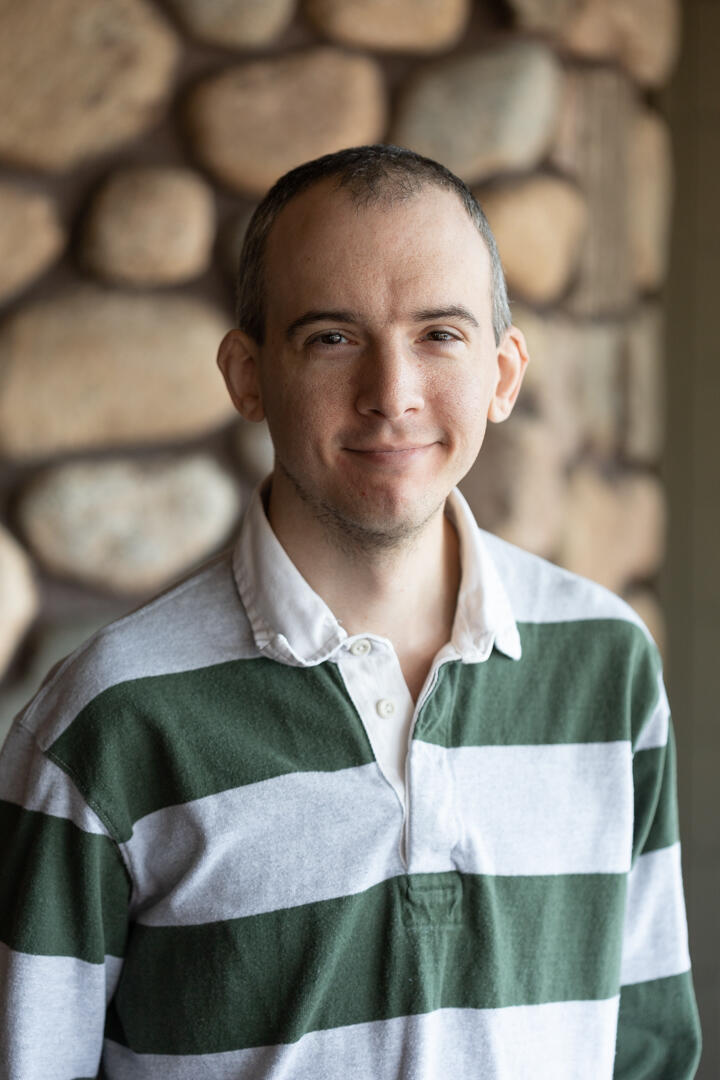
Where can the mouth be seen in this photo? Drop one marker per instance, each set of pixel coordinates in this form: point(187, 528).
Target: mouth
point(389, 455)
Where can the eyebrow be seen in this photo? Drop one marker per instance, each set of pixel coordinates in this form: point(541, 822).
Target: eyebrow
point(454, 311)
point(321, 316)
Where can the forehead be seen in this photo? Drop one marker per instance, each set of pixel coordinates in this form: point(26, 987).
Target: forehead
point(326, 250)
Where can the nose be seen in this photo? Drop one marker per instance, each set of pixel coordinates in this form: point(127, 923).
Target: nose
point(390, 382)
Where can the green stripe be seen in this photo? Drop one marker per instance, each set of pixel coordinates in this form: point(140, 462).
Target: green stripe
point(63, 892)
point(656, 814)
point(588, 681)
point(166, 739)
point(658, 1030)
point(406, 946)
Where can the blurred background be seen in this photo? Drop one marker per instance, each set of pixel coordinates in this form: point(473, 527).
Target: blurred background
point(136, 136)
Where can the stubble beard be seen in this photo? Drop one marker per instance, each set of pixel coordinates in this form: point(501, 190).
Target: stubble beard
point(354, 538)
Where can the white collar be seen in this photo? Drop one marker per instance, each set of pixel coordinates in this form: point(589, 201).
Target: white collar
point(294, 625)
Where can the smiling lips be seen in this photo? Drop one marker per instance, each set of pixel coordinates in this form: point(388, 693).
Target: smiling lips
point(389, 455)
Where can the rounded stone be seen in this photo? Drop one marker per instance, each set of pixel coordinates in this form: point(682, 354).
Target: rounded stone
point(238, 24)
point(95, 368)
point(255, 451)
point(128, 526)
point(539, 224)
point(31, 236)
point(82, 78)
point(642, 34)
point(650, 193)
point(644, 414)
point(422, 26)
point(483, 113)
point(615, 528)
point(18, 597)
point(516, 488)
point(252, 123)
point(150, 226)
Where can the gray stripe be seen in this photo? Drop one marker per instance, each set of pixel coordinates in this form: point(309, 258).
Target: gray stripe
point(54, 1009)
point(30, 780)
point(198, 623)
point(655, 939)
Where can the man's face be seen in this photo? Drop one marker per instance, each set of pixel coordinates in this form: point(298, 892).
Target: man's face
point(379, 368)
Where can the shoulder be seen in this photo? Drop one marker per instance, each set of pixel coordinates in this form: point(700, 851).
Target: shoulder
point(541, 592)
point(195, 623)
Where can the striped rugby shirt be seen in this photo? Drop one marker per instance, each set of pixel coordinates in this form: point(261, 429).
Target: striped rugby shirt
point(214, 867)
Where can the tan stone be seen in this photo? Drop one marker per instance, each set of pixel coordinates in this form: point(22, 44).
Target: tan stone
point(151, 226)
point(539, 224)
point(128, 526)
point(615, 529)
point(79, 79)
point(516, 487)
point(549, 16)
point(31, 236)
point(254, 449)
point(236, 24)
point(645, 387)
point(483, 113)
point(252, 123)
point(97, 368)
point(650, 199)
point(574, 379)
point(18, 597)
point(593, 145)
point(421, 26)
point(641, 34)
point(646, 604)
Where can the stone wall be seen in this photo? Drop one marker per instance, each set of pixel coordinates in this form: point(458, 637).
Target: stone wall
point(136, 138)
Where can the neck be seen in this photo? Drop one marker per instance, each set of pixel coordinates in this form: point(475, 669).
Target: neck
point(405, 592)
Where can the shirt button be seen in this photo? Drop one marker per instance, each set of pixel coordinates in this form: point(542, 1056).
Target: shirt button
point(361, 647)
point(385, 708)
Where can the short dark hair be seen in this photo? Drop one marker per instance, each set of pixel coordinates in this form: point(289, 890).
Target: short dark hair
point(371, 174)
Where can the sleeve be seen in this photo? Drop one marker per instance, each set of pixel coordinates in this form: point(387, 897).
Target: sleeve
point(64, 897)
point(658, 1035)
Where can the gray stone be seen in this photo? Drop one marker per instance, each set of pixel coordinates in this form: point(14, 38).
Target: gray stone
point(151, 226)
point(79, 79)
point(95, 368)
point(539, 224)
point(238, 24)
point(252, 123)
point(549, 16)
point(31, 236)
point(422, 26)
point(645, 387)
point(615, 529)
point(483, 113)
point(516, 487)
point(18, 597)
point(232, 236)
point(128, 526)
point(650, 199)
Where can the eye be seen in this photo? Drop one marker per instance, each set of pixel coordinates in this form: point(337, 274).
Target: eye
point(441, 335)
point(328, 337)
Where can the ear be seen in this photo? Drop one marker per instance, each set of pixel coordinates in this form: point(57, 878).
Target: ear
point(512, 358)
point(238, 359)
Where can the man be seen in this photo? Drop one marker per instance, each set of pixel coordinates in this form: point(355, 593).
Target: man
point(374, 794)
